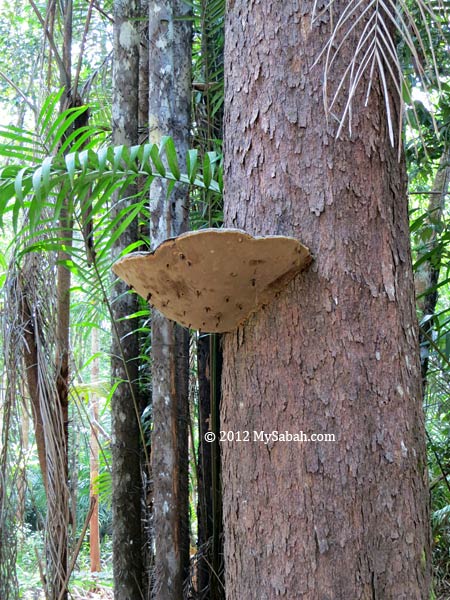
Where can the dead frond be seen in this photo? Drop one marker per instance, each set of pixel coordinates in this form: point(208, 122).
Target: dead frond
point(31, 334)
point(369, 32)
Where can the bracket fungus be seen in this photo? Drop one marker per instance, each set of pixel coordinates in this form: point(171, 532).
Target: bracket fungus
point(213, 279)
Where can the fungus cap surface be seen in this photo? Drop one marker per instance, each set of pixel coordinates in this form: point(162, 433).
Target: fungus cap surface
point(213, 279)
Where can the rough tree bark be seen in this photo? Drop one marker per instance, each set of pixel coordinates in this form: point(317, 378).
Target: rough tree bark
point(169, 114)
point(337, 351)
point(126, 477)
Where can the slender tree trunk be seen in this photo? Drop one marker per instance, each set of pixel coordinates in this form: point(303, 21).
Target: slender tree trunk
point(22, 475)
point(146, 399)
point(144, 56)
point(204, 508)
point(426, 277)
point(210, 128)
point(60, 534)
point(63, 285)
point(50, 425)
point(126, 447)
point(337, 351)
point(169, 114)
point(57, 433)
point(94, 530)
point(32, 378)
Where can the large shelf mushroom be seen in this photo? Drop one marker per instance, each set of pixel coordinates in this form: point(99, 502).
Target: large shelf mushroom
point(213, 279)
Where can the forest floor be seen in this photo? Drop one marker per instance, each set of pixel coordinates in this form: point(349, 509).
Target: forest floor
point(100, 594)
point(75, 594)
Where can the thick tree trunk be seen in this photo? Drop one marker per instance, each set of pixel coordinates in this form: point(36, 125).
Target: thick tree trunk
point(169, 114)
point(337, 351)
point(126, 479)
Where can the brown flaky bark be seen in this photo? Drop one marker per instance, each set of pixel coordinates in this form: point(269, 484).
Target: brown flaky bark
point(126, 447)
point(169, 114)
point(337, 352)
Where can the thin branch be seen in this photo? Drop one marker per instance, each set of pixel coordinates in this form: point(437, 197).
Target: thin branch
point(101, 11)
point(83, 44)
point(49, 38)
point(19, 91)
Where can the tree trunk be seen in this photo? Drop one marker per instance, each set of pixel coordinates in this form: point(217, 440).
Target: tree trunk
point(59, 534)
point(204, 470)
point(63, 285)
point(426, 277)
point(209, 510)
point(94, 529)
point(30, 353)
point(21, 471)
point(126, 477)
point(169, 114)
point(337, 351)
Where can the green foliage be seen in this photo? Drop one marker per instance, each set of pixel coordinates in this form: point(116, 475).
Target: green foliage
point(30, 547)
point(58, 166)
point(208, 98)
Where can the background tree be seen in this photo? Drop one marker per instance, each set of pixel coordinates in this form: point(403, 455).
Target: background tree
point(125, 405)
point(169, 114)
point(207, 208)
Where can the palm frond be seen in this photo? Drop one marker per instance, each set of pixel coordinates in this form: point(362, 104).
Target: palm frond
point(30, 187)
point(377, 26)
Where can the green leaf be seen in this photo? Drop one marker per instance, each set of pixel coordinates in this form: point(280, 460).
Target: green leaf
point(170, 186)
point(46, 173)
point(19, 184)
point(171, 154)
point(120, 153)
point(159, 166)
point(83, 157)
point(134, 156)
point(102, 155)
point(70, 164)
point(84, 136)
point(6, 193)
point(36, 179)
point(34, 211)
point(62, 125)
point(145, 162)
point(48, 109)
point(207, 173)
point(192, 164)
